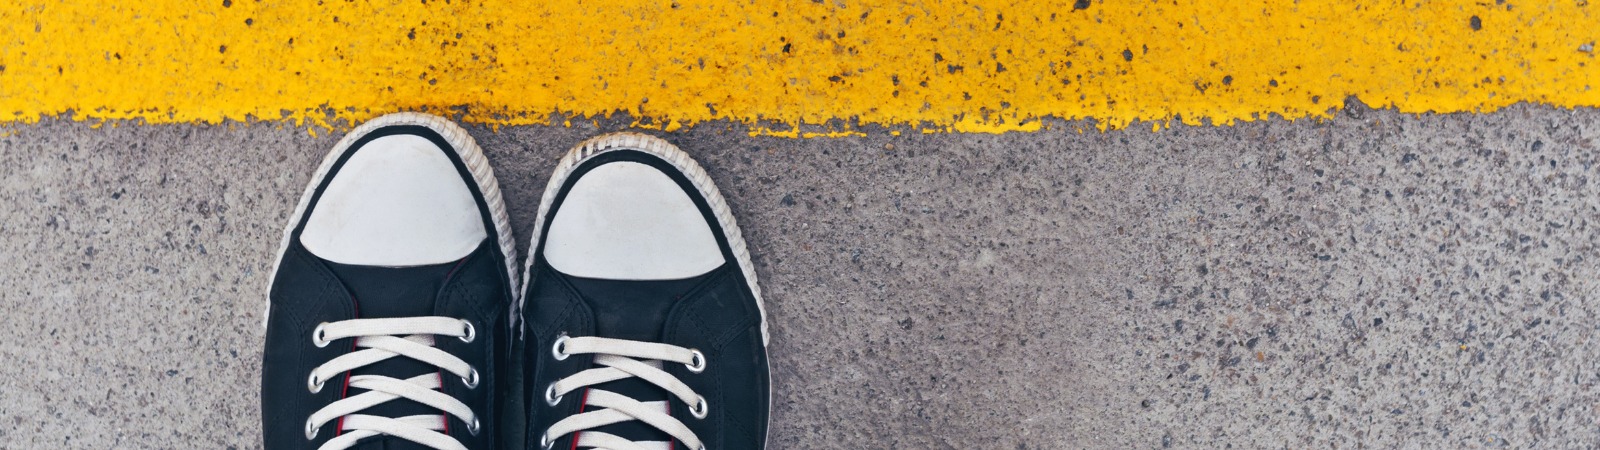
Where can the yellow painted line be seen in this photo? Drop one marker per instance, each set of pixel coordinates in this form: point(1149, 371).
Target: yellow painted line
point(789, 67)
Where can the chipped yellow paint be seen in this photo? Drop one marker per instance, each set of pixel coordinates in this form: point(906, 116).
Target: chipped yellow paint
point(789, 68)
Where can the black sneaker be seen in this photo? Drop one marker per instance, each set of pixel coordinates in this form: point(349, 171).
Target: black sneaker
point(389, 312)
point(643, 323)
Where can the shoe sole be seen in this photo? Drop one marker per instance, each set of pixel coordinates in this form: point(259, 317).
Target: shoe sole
point(697, 176)
point(465, 148)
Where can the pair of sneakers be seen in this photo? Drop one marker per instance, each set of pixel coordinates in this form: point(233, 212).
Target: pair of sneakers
point(396, 319)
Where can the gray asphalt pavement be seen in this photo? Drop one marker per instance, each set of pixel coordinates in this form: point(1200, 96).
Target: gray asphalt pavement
point(1376, 280)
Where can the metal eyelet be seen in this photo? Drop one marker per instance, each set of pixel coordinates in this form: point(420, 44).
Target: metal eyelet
point(311, 431)
point(473, 427)
point(313, 383)
point(697, 361)
point(319, 336)
point(545, 442)
point(560, 349)
point(471, 380)
point(550, 396)
point(471, 333)
point(700, 409)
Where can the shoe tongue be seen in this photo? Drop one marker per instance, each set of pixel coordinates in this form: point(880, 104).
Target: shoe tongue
point(392, 292)
point(388, 443)
point(640, 390)
point(637, 311)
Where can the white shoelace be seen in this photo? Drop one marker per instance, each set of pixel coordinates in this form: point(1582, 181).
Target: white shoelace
point(624, 359)
point(378, 340)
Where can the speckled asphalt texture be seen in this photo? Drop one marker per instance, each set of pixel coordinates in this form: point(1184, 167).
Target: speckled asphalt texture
point(1374, 280)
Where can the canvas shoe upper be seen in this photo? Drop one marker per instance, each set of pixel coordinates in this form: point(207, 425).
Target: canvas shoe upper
point(388, 323)
point(643, 323)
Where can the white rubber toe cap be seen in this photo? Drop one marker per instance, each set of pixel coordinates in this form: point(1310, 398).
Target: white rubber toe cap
point(628, 221)
point(397, 202)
